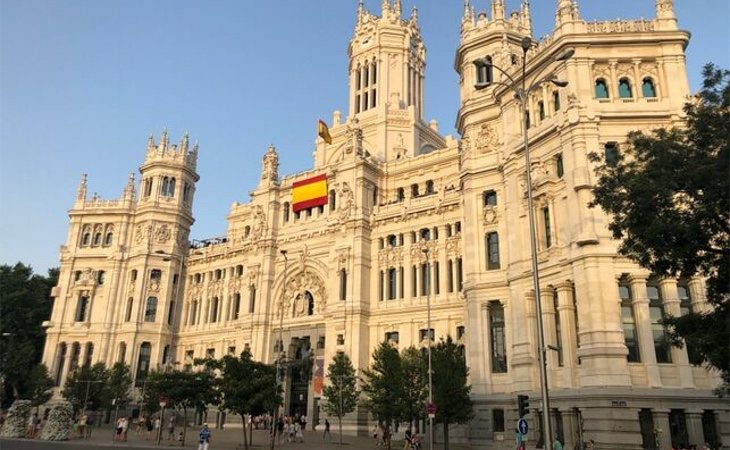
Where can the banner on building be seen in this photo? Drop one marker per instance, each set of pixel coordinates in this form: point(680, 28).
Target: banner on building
point(318, 376)
point(309, 193)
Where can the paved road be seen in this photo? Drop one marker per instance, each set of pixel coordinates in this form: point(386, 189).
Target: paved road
point(229, 439)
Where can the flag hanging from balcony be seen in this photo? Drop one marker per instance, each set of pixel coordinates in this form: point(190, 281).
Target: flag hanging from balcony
point(323, 131)
point(310, 192)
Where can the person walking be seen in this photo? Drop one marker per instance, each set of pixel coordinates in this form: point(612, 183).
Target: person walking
point(148, 426)
point(557, 445)
point(205, 437)
point(32, 425)
point(326, 436)
point(171, 427)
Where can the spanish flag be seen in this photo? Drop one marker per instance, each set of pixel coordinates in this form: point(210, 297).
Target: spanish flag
point(323, 131)
point(310, 192)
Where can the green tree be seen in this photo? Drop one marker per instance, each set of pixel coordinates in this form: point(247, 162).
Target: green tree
point(450, 386)
point(88, 383)
point(119, 384)
point(415, 384)
point(183, 390)
point(246, 387)
point(341, 392)
point(667, 198)
point(39, 385)
point(382, 385)
point(24, 304)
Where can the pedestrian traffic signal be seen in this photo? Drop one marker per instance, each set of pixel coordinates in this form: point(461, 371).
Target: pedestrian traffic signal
point(523, 404)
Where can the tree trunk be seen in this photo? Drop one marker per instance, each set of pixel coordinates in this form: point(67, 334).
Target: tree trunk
point(339, 419)
point(245, 437)
point(185, 426)
point(250, 433)
point(446, 435)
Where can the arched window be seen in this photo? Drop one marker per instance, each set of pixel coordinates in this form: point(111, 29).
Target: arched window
point(541, 110)
point(601, 89)
point(122, 352)
point(425, 234)
point(89, 354)
point(163, 187)
point(109, 238)
point(86, 239)
point(143, 363)
point(484, 72)
point(556, 101)
point(332, 200)
point(343, 284)
point(492, 241)
point(133, 275)
point(150, 310)
point(246, 231)
point(624, 88)
point(392, 241)
point(414, 190)
point(497, 337)
point(171, 188)
point(186, 192)
point(100, 277)
point(214, 310)
point(647, 88)
point(400, 194)
point(97, 240)
point(75, 354)
point(429, 187)
point(309, 302)
point(128, 314)
point(358, 79)
point(147, 187)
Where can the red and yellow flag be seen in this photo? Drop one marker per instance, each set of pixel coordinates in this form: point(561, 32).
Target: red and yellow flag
point(310, 192)
point(323, 131)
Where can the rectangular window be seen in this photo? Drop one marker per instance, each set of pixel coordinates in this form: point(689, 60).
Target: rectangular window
point(423, 334)
point(392, 283)
point(425, 279)
point(436, 276)
point(492, 241)
point(171, 313)
point(559, 169)
point(401, 285)
point(150, 310)
point(489, 198)
point(82, 310)
point(381, 281)
point(498, 420)
point(343, 284)
point(629, 324)
point(450, 276)
point(548, 230)
point(128, 315)
point(414, 276)
point(497, 336)
point(558, 330)
point(237, 306)
point(459, 275)
point(392, 337)
point(251, 299)
point(610, 151)
point(656, 312)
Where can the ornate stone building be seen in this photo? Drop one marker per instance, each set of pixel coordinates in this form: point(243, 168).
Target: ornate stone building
point(411, 216)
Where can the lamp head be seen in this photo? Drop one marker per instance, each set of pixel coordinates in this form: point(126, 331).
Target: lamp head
point(526, 43)
point(565, 55)
point(559, 83)
point(283, 252)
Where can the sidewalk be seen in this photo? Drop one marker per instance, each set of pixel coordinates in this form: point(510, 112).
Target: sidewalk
point(232, 439)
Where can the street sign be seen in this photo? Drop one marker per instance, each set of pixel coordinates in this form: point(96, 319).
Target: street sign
point(431, 408)
point(163, 402)
point(522, 426)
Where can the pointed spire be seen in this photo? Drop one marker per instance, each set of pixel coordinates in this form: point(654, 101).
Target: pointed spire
point(81, 190)
point(467, 8)
point(150, 143)
point(384, 7)
point(526, 17)
point(567, 11)
point(414, 16)
point(497, 9)
point(184, 143)
point(665, 9)
point(164, 140)
point(129, 188)
point(360, 10)
point(397, 8)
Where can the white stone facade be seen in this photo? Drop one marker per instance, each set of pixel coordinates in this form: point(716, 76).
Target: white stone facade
point(408, 205)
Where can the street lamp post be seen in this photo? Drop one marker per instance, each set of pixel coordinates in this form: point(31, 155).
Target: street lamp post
point(522, 94)
point(428, 331)
point(279, 358)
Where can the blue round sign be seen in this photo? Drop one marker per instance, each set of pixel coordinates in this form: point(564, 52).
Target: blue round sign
point(522, 426)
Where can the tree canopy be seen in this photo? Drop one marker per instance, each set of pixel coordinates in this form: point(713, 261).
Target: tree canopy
point(341, 391)
point(450, 385)
point(383, 387)
point(87, 384)
point(667, 198)
point(24, 304)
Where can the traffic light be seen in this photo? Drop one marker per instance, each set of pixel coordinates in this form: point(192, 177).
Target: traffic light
point(523, 404)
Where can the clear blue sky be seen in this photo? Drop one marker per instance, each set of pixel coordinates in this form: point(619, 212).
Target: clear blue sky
point(84, 82)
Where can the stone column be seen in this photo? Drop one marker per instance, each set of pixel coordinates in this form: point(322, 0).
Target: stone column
point(549, 328)
point(661, 426)
point(695, 432)
point(66, 363)
point(570, 427)
point(698, 296)
point(567, 331)
point(521, 320)
point(670, 301)
point(647, 354)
